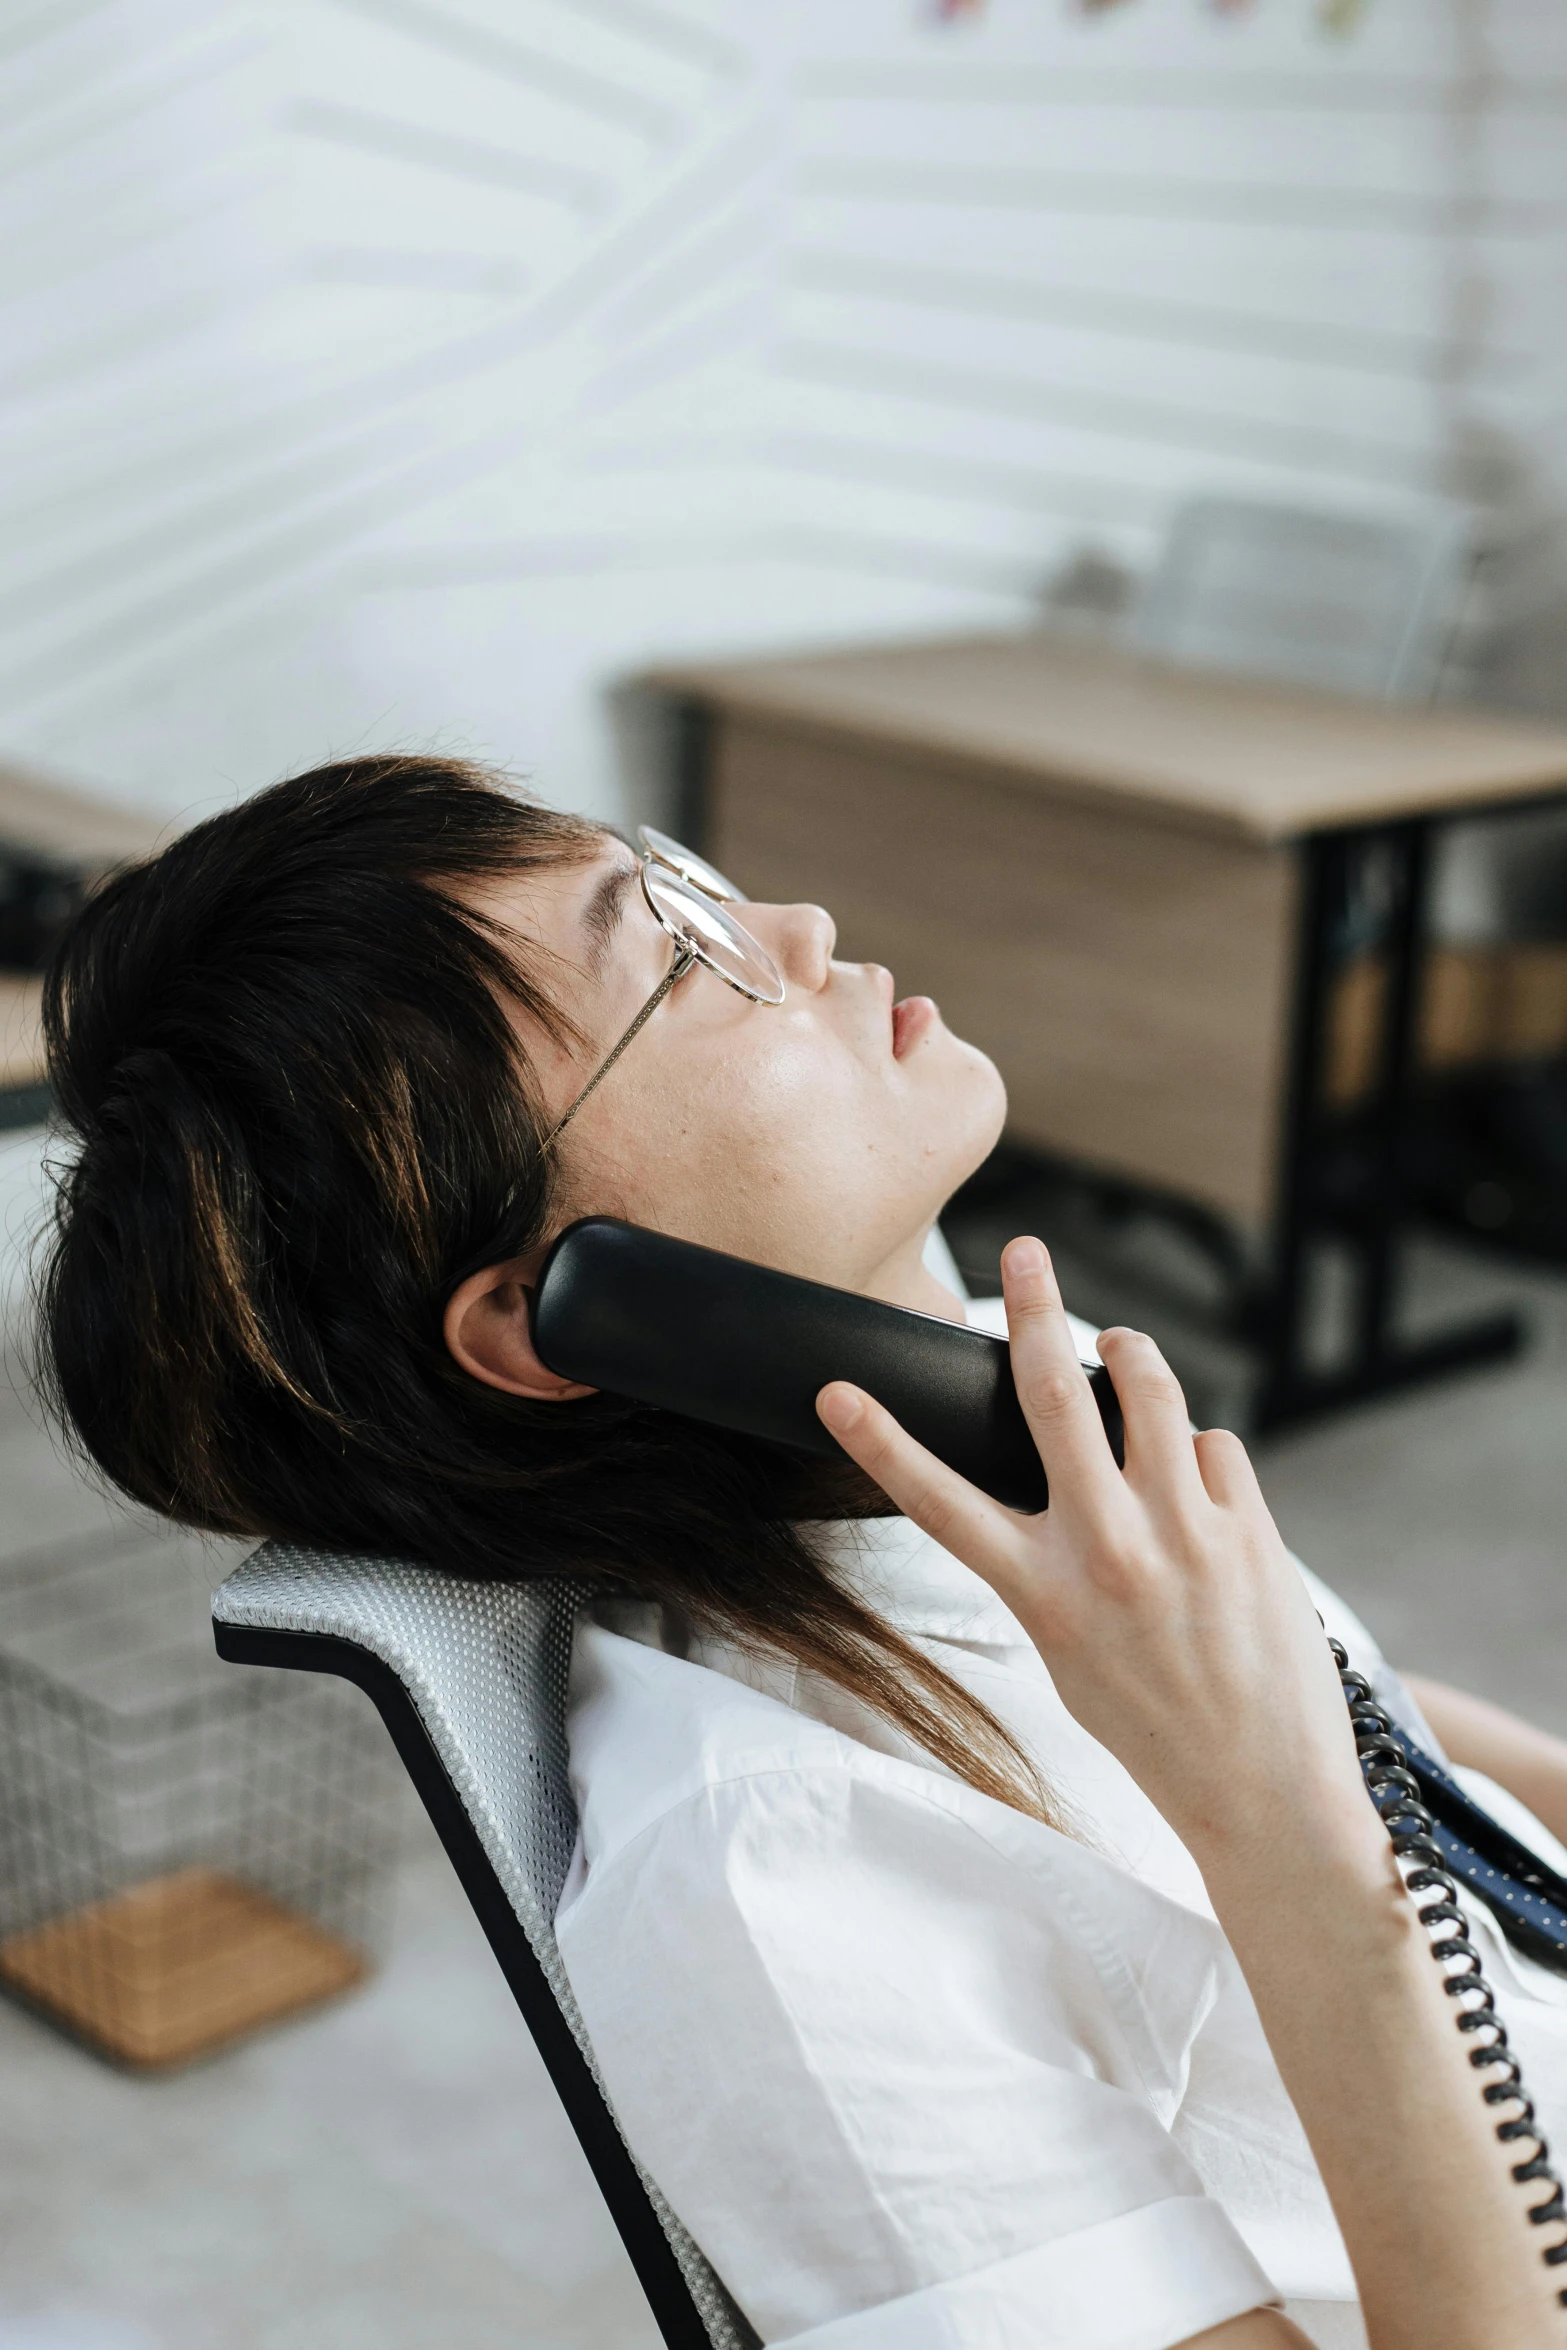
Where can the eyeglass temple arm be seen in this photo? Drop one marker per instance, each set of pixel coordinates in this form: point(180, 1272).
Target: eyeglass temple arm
point(677, 970)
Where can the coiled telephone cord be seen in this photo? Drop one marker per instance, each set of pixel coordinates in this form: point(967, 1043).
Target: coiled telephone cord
point(1396, 1793)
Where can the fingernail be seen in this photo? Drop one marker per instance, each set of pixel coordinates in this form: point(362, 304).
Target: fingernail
point(839, 1406)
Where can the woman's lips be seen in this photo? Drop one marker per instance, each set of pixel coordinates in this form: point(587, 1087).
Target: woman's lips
point(911, 1020)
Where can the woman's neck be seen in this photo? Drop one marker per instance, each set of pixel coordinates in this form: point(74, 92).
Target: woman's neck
point(904, 1279)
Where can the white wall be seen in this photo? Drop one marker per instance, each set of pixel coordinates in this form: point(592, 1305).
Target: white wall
point(400, 370)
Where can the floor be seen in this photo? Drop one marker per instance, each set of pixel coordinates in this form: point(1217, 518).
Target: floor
point(393, 2174)
point(390, 2174)
point(1442, 1515)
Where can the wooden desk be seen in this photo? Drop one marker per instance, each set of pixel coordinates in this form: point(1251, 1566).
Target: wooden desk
point(46, 828)
point(1133, 885)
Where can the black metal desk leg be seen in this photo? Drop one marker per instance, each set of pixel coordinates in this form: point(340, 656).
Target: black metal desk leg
point(1343, 1180)
point(1398, 907)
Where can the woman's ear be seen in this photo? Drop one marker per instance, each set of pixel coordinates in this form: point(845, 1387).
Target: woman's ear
point(490, 1336)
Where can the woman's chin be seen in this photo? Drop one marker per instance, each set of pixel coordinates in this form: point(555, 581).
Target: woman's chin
point(990, 1091)
point(971, 1107)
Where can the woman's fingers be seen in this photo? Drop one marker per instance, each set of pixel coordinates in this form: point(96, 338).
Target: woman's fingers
point(1057, 1400)
point(1160, 1460)
point(940, 1502)
point(1226, 1471)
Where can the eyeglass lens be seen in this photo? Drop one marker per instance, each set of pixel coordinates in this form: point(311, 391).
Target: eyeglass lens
point(689, 865)
point(697, 920)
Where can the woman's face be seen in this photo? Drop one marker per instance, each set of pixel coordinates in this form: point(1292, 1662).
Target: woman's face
point(821, 1135)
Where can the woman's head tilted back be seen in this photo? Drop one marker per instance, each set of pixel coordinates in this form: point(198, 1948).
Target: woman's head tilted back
point(308, 1058)
point(284, 1052)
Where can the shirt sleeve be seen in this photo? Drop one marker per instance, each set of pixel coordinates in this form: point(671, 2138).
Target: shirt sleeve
point(884, 2083)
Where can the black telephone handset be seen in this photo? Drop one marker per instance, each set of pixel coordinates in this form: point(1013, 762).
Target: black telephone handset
point(744, 1347)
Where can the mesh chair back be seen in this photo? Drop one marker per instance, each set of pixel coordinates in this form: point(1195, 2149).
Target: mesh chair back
point(1354, 603)
point(471, 1680)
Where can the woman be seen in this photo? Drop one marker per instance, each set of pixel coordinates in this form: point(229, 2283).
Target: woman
point(980, 1921)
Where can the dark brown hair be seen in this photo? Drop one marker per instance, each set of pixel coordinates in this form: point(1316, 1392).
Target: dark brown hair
point(298, 1115)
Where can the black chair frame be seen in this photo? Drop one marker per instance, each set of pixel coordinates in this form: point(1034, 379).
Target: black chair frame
point(658, 2271)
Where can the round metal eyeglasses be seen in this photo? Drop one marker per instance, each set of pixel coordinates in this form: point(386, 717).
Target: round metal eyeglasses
point(690, 899)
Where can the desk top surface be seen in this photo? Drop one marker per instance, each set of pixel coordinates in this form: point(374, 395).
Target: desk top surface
point(1238, 756)
point(57, 821)
point(35, 814)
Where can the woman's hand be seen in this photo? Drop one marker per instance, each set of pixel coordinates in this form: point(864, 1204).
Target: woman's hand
point(1178, 1631)
point(1161, 1597)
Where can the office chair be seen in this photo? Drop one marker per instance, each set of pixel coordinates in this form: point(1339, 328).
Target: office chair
point(1357, 603)
point(470, 1679)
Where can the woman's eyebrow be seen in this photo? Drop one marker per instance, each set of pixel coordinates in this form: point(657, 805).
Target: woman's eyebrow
point(602, 913)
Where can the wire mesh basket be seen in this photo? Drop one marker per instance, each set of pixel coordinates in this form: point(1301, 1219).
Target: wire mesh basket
point(188, 1851)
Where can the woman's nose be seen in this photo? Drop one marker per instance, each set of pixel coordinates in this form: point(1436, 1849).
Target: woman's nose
point(800, 940)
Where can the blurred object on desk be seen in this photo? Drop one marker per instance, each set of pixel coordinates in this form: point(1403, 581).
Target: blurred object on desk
point(1184, 911)
point(1354, 603)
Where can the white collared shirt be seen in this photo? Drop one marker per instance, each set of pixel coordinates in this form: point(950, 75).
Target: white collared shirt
point(916, 2071)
